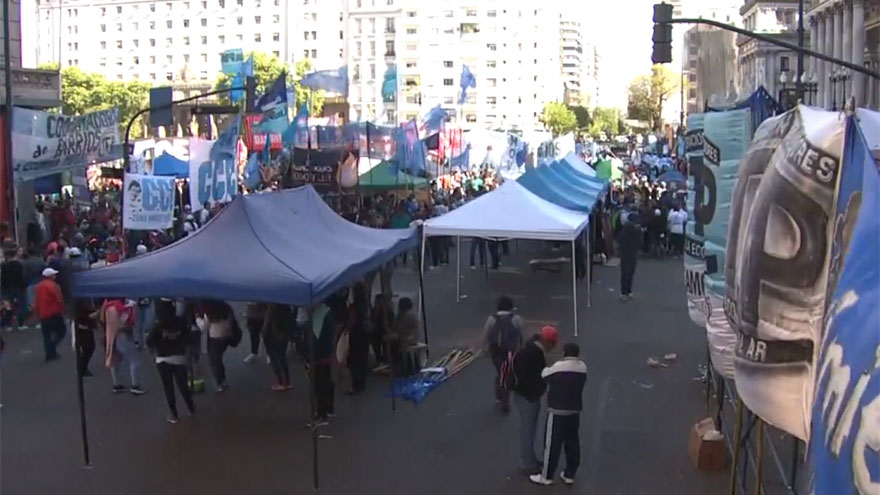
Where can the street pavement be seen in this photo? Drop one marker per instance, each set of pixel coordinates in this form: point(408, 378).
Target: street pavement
point(248, 440)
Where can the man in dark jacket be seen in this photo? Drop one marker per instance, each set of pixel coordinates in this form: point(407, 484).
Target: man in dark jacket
point(528, 364)
point(565, 386)
point(630, 239)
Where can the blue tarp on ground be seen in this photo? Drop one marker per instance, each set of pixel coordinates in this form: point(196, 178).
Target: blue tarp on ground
point(169, 165)
point(286, 247)
point(551, 187)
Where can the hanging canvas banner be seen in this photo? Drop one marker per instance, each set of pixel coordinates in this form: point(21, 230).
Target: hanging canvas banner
point(211, 180)
point(700, 204)
point(148, 203)
point(846, 407)
point(779, 277)
point(45, 143)
point(555, 149)
point(726, 138)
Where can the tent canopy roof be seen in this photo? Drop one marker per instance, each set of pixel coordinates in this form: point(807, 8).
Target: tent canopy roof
point(382, 176)
point(510, 211)
point(286, 247)
point(574, 162)
point(551, 185)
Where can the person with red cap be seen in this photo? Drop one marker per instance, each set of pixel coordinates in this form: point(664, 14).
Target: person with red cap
point(528, 364)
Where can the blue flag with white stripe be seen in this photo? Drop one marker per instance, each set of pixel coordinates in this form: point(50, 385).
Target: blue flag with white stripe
point(273, 106)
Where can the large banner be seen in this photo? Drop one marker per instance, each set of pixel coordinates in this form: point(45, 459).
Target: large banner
point(555, 149)
point(777, 288)
point(846, 410)
point(700, 204)
point(725, 139)
point(45, 143)
point(211, 180)
point(148, 203)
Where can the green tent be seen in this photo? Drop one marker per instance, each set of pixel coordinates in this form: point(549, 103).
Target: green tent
point(383, 177)
point(606, 170)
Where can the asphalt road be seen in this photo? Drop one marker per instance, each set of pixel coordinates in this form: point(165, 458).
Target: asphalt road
point(634, 429)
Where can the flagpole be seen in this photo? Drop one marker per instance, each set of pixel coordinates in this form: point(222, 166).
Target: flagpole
point(369, 160)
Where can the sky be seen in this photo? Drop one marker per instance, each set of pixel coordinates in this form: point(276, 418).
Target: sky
point(622, 29)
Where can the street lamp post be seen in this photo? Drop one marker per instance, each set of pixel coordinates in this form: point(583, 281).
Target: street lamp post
point(810, 87)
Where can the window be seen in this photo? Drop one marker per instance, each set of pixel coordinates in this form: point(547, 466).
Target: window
point(471, 12)
point(389, 25)
point(256, 19)
point(357, 49)
point(239, 20)
point(168, 24)
point(471, 118)
point(186, 40)
point(492, 47)
point(118, 9)
point(153, 9)
point(119, 44)
point(276, 19)
point(169, 5)
point(447, 82)
point(152, 76)
point(447, 64)
point(221, 39)
point(103, 45)
point(276, 53)
point(258, 38)
point(222, 3)
point(152, 41)
point(239, 37)
point(448, 13)
point(358, 3)
point(491, 13)
point(152, 25)
point(447, 100)
point(411, 30)
point(314, 53)
point(204, 57)
point(186, 58)
point(204, 4)
point(186, 23)
point(276, 36)
point(136, 43)
point(491, 82)
point(204, 40)
point(692, 94)
point(389, 48)
point(411, 64)
point(137, 61)
point(372, 71)
point(314, 35)
point(491, 100)
point(203, 75)
point(169, 59)
point(103, 28)
point(103, 12)
point(469, 28)
point(103, 62)
point(239, 2)
point(359, 24)
point(491, 64)
point(411, 13)
point(152, 60)
point(692, 77)
point(783, 64)
point(204, 22)
point(356, 76)
point(168, 42)
point(412, 47)
point(305, 54)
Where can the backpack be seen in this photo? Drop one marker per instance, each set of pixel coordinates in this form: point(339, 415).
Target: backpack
point(504, 338)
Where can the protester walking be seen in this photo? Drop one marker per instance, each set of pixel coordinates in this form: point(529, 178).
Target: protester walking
point(277, 329)
point(630, 239)
point(169, 339)
point(528, 364)
point(503, 337)
point(565, 387)
point(84, 335)
point(49, 308)
point(218, 322)
point(119, 349)
point(12, 279)
point(255, 317)
point(677, 219)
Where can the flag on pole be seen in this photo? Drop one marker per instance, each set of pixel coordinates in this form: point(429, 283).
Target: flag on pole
point(433, 120)
point(237, 82)
point(231, 60)
point(226, 145)
point(273, 106)
point(410, 150)
point(463, 160)
point(467, 81)
point(252, 171)
point(432, 142)
point(297, 132)
point(247, 67)
point(335, 81)
point(389, 85)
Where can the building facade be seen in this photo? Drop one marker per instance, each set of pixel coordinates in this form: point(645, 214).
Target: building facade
point(847, 30)
point(572, 54)
point(709, 67)
point(509, 47)
point(765, 64)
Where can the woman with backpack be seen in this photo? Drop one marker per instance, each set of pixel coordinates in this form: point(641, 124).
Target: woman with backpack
point(169, 339)
point(504, 336)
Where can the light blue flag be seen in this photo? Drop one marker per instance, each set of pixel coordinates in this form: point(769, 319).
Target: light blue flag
point(266, 155)
point(237, 82)
point(433, 120)
point(247, 67)
point(226, 145)
point(389, 85)
point(252, 171)
point(335, 81)
point(463, 160)
point(273, 106)
point(410, 149)
point(297, 133)
point(231, 60)
point(467, 81)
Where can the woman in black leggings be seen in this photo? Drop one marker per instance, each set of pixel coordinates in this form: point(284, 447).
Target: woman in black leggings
point(169, 339)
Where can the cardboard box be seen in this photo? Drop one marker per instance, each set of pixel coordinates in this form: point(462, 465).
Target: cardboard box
point(707, 453)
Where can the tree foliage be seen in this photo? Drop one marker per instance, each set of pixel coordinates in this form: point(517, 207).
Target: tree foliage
point(648, 94)
point(582, 114)
point(83, 92)
point(267, 68)
point(558, 118)
point(605, 120)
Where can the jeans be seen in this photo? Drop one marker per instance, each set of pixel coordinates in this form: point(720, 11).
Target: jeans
point(627, 273)
point(216, 348)
point(528, 428)
point(144, 320)
point(493, 253)
point(277, 351)
point(477, 243)
point(53, 333)
point(255, 326)
point(171, 374)
point(323, 390)
point(562, 433)
point(125, 354)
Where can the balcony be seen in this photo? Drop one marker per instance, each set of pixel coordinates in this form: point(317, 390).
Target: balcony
point(35, 88)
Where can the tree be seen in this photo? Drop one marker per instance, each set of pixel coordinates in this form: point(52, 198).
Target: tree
point(267, 68)
point(83, 92)
point(605, 120)
point(558, 118)
point(582, 114)
point(647, 94)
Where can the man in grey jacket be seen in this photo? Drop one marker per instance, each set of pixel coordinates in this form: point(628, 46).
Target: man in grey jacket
point(503, 337)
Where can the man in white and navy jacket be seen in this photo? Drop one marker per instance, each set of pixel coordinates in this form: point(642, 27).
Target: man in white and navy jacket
point(565, 384)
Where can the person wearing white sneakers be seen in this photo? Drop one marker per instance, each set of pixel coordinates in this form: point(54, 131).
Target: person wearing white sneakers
point(565, 386)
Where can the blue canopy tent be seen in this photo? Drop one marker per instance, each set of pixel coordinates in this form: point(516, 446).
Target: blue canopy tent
point(576, 164)
point(284, 247)
point(558, 171)
point(551, 186)
point(167, 164)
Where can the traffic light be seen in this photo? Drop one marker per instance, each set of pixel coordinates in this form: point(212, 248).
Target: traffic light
point(662, 38)
point(250, 88)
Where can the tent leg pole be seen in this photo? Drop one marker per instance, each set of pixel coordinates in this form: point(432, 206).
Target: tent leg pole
point(80, 393)
point(421, 263)
point(589, 261)
point(458, 269)
point(312, 405)
point(574, 289)
point(422, 297)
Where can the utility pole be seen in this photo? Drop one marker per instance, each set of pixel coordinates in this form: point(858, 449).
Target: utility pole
point(798, 79)
point(7, 135)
